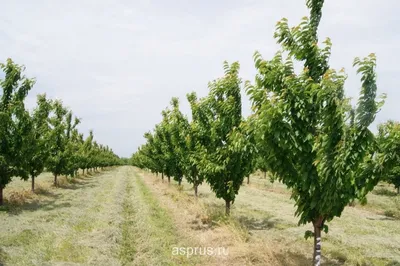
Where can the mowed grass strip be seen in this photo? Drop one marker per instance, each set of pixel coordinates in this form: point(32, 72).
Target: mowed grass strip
point(148, 232)
point(127, 252)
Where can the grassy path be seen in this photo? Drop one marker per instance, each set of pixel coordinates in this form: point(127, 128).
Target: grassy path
point(110, 218)
point(148, 233)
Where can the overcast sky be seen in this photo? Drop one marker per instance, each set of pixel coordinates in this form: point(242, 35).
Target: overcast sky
point(117, 64)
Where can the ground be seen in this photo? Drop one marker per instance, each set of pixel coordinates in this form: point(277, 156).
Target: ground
point(127, 216)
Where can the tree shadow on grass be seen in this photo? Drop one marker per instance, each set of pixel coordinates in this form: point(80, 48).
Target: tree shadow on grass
point(257, 224)
point(200, 195)
point(76, 182)
point(48, 202)
point(74, 186)
point(385, 192)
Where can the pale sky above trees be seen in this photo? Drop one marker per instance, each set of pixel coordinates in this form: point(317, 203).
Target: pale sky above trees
point(117, 64)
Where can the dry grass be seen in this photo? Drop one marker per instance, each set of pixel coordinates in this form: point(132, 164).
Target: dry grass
point(77, 225)
point(205, 221)
point(18, 198)
point(262, 229)
point(129, 217)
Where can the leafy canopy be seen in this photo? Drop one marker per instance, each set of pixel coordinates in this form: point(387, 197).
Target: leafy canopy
point(312, 139)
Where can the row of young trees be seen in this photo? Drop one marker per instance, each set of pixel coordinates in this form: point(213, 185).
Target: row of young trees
point(303, 130)
point(45, 138)
point(215, 146)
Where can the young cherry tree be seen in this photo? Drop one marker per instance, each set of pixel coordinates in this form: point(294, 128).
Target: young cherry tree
point(62, 126)
point(157, 148)
point(56, 161)
point(389, 144)
point(37, 148)
point(164, 129)
point(13, 123)
point(225, 155)
point(314, 142)
point(194, 142)
point(178, 127)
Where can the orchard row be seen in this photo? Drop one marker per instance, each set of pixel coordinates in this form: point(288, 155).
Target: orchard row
point(303, 131)
point(46, 138)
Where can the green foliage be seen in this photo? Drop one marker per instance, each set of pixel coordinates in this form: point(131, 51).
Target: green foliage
point(195, 141)
point(313, 140)
point(165, 151)
point(177, 127)
point(47, 137)
point(58, 140)
point(68, 152)
point(226, 151)
point(216, 145)
point(13, 122)
point(389, 145)
point(36, 148)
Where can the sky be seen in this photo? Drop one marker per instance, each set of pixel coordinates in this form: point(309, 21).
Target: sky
point(117, 64)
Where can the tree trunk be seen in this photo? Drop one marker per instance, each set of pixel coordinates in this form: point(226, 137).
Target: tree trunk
point(162, 176)
point(1, 195)
point(317, 241)
point(180, 181)
point(398, 190)
point(33, 183)
point(169, 179)
point(55, 180)
point(248, 180)
point(195, 189)
point(83, 171)
point(265, 175)
point(227, 207)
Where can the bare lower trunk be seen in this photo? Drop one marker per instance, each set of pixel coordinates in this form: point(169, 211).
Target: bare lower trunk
point(398, 190)
point(248, 180)
point(55, 180)
point(227, 207)
point(265, 175)
point(33, 183)
point(180, 181)
point(162, 176)
point(317, 241)
point(352, 203)
point(1, 195)
point(195, 189)
point(169, 179)
point(83, 171)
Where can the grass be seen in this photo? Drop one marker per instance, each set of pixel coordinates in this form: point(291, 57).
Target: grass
point(128, 250)
point(149, 228)
point(263, 216)
point(57, 225)
point(129, 217)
